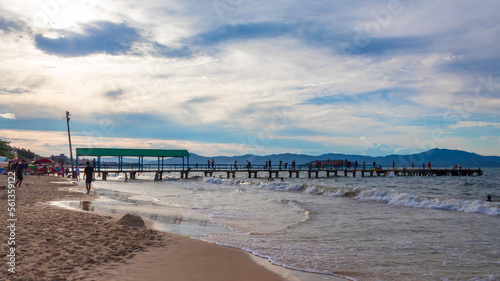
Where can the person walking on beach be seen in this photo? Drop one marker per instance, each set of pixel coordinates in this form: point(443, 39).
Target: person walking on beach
point(88, 176)
point(19, 173)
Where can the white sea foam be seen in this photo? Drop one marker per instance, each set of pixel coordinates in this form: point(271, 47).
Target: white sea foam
point(281, 186)
point(411, 200)
point(213, 180)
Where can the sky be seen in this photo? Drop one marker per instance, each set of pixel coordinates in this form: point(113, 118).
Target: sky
point(235, 77)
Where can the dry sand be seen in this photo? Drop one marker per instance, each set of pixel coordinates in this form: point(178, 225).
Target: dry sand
point(58, 244)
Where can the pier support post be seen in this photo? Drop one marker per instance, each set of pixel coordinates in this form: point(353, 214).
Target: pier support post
point(104, 175)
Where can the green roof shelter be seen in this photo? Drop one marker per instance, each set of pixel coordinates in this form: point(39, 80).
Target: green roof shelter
point(127, 152)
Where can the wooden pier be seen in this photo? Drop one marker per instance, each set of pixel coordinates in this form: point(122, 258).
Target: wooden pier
point(230, 170)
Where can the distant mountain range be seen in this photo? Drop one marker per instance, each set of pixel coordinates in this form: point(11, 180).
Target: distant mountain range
point(438, 157)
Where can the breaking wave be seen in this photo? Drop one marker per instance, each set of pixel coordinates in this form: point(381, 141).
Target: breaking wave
point(411, 200)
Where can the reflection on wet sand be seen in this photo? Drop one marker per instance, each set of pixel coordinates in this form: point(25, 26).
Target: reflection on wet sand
point(167, 219)
point(85, 205)
point(178, 220)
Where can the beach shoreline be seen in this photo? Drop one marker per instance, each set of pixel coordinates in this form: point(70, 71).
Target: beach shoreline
point(59, 244)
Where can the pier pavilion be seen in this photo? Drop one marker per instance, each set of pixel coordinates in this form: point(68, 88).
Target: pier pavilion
point(132, 168)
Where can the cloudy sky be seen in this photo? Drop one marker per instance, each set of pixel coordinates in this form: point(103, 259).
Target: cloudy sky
point(230, 77)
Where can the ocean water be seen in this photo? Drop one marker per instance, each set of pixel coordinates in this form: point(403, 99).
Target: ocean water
point(372, 228)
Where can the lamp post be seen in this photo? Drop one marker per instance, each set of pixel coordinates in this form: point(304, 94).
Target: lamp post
point(8, 152)
point(70, 149)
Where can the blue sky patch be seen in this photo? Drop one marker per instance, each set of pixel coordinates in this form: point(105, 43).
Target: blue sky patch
point(102, 37)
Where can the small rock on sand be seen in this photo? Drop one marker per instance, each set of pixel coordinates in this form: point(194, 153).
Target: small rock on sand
point(132, 221)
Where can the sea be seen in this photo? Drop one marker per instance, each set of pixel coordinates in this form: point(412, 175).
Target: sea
point(357, 228)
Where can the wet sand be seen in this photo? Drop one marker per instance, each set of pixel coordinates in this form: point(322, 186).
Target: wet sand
point(53, 243)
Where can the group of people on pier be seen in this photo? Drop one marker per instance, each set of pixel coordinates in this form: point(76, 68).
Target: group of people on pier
point(341, 164)
point(281, 166)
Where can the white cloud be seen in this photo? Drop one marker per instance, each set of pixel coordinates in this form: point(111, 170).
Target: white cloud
point(463, 124)
point(7, 116)
point(48, 143)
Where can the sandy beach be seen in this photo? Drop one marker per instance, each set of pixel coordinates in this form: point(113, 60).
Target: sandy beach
point(57, 244)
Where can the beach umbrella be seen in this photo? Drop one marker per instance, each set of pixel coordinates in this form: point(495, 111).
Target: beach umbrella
point(44, 160)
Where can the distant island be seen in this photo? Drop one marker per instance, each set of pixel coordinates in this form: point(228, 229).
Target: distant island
point(438, 157)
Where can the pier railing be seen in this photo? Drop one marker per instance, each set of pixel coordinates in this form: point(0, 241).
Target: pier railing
point(128, 167)
point(275, 170)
